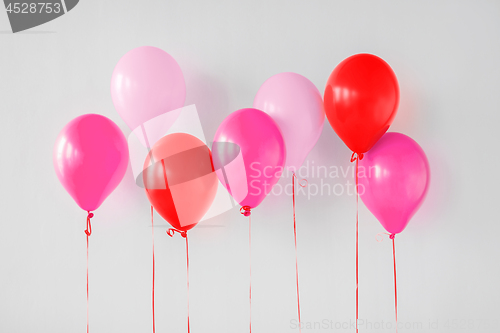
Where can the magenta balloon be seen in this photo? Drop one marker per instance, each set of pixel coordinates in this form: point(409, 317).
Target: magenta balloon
point(250, 150)
point(394, 177)
point(90, 158)
point(147, 82)
point(296, 105)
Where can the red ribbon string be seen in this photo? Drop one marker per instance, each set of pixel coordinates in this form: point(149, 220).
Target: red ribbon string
point(379, 239)
point(356, 157)
point(250, 261)
point(246, 211)
point(357, 247)
point(88, 232)
point(171, 233)
point(294, 176)
point(187, 278)
point(153, 291)
point(395, 284)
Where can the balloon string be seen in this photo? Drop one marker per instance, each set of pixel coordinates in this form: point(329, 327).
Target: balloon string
point(296, 256)
point(171, 233)
point(187, 279)
point(250, 265)
point(246, 211)
point(153, 291)
point(88, 232)
point(379, 239)
point(356, 157)
point(357, 247)
point(395, 284)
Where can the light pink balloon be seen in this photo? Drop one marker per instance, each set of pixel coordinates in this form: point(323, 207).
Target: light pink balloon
point(296, 106)
point(394, 178)
point(90, 159)
point(146, 82)
point(249, 155)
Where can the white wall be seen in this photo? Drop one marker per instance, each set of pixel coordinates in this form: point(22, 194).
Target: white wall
point(445, 54)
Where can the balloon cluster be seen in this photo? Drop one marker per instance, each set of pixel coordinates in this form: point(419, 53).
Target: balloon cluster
point(361, 100)
point(251, 147)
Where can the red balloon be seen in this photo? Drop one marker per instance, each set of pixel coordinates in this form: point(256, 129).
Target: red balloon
point(361, 100)
point(180, 180)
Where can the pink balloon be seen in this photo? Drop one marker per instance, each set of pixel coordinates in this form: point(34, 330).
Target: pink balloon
point(147, 82)
point(296, 106)
point(393, 178)
point(249, 155)
point(90, 158)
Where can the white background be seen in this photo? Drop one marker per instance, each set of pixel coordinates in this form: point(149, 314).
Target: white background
point(445, 55)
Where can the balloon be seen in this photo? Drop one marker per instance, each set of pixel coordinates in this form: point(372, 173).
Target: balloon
point(393, 180)
point(361, 100)
point(146, 82)
point(90, 159)
point(179, 179)
point(260, 158)
point(295, 104)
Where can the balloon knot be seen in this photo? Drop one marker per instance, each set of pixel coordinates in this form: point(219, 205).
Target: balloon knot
point(88, 231)
point(356, 156)
point(172, 231)
point(391, 236)
point(245, 210)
